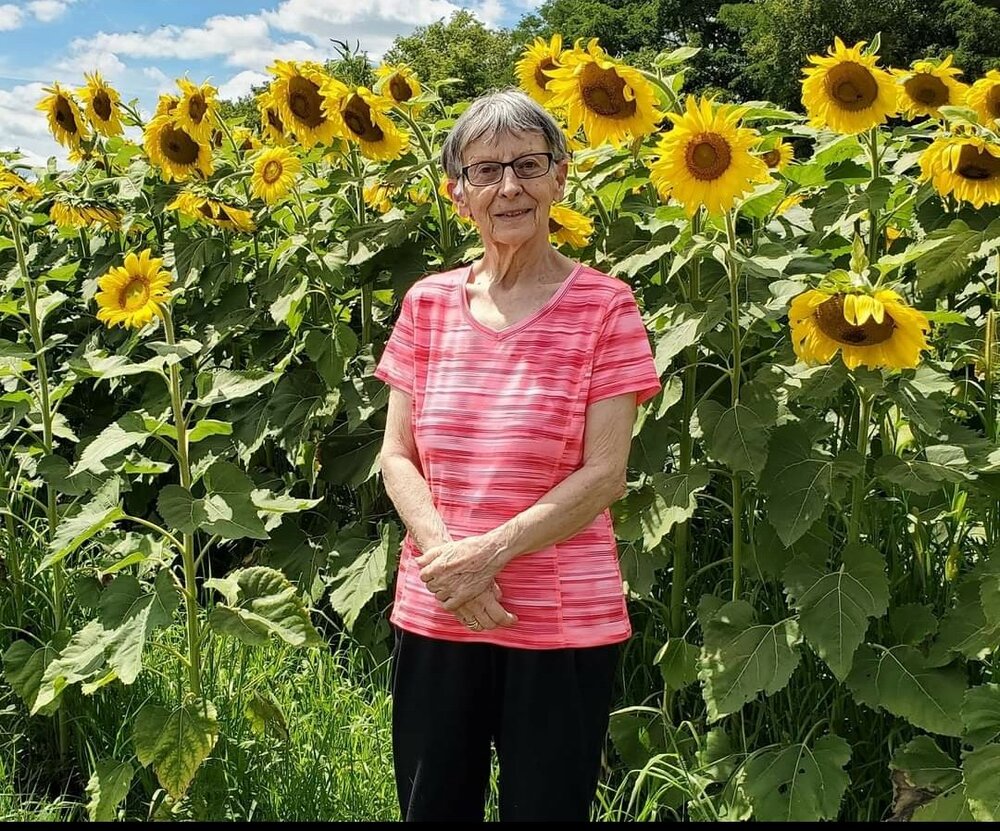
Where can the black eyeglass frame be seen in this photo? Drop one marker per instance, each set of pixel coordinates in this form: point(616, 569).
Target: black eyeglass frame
point(504, 165)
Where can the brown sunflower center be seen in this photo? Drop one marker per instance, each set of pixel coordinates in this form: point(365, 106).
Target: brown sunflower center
point(829, 317)
point(246, 144)
point(707, 156)
point(102, 105)
point(275, 120)
point(197, 108)
point(993, 101)
point(399, 89)
point(358, 117)
point(272, 171)
point(977, 164)
point(603, 92)
point(223, 214)
point(205, 209)
point(554, 227)
point(927, 89)
point(540, 77)
point(772, 157)
point(851, 86)
point(134, 295)
point(64, 115)
point(178, 146)
point(216, 138)
point(305, 102)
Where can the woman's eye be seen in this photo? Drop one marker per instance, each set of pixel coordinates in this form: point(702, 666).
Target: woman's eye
point(528, 165)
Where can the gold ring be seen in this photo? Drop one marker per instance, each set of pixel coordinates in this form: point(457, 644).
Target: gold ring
point(475, 625)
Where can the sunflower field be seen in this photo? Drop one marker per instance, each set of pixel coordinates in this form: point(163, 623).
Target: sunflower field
point(810, 542)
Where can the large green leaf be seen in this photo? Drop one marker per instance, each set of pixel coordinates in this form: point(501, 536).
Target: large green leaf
point(965, 629)
point(741, 658)
point(175, 742)
point(80, 660)
point(260, 602)
point(981, 772)
point(24, 667)
point(912, 623)
point(678, 662)
point(229, 509)
point(796, 783)
point(981, 714)
point(797, 482)
point(948, 807)
point(834, 608)
point(926, 765)
point(118, 436)
point(899, 680)
point(674, 500)
point(358, 581)
point(180, 509)
point(218, 385)
point(102, 510)
point(736, 436)
point(682, 326)
point(107, 788)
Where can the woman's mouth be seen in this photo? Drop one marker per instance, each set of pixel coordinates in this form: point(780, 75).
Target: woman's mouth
point(514, 214)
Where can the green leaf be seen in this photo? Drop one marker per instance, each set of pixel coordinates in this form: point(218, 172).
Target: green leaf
point(24, 667)
point(926, 765)
point(912, 623)
point(266, 717)
point(218, 385)
point(229, 511)
point(120, 435)
point(741, 658)
point(736, 436)
point(209, 427)
point(673, 501)
point(95, 516)
point(796, 480)
point(180, 509)
point(680, 327)
point(678, 662)
point(107, 789)
point(958, 245)
point(79, 660)
point(949, 807)
point(834, 608)
point(922, 476)
point(965, 629)
point(260, 602)
point(175, 742)
point(981, 772)
point(357, 582)
point(981, 714)
point(900, 681)
point(796, 783)
point(290, 308)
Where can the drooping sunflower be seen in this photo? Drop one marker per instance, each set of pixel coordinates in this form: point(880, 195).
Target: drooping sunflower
point(133, 293)
point(397, 82)
point(197, 110)
point(79, 213)
point(707, 159)
point(539, 58)
point(967, 167)
point(65, 122)
point(205, 209)
point(274, 172)
point(166, 104)
point(443, 190)
point(418, 194)
point(363, 119)
point(847, 92)
point(928, 87)
point(13, 187)
point(378, 196)
point(245, 140)
point(102, 103)
point(569, 227)
point(779, 156)
point(873, 330)
point(789, 202)
point(271, 125)
point(612, 101)
point(984, 98)
point(176, 153)
point(297, 92)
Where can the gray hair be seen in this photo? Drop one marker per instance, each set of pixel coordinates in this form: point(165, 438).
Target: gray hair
point(505, 111)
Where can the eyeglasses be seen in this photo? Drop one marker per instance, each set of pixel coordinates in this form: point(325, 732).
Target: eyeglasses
point(528, 166)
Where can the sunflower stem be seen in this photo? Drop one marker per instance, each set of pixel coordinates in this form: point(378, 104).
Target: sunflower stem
point(443, 225)
point(865, 403)
point(733, 269)
point(187, 548)
point(874, 233)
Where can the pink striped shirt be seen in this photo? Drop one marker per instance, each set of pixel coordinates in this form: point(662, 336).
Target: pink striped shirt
point(498, 419)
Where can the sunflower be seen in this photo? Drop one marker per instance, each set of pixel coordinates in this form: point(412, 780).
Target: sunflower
point(778, 157)
point(244, 139)
point(984, 98)
point(846, 91)
point(297, 92)
point(271, 125)
point(967, 167)
point(568, 227)
point(175, 152)
point(65, 121)
point(205, 209)
point(418, 195)
point(877, 330)
point(13, 186)
point(80, 213)
point(789, 202)
point(707, 158)
point(166, 105)
point(132, 294)
point(274, 172)
point(102, 103)
point(612, 101)
point(397, 82)
point(197, 110)
point(929, 86)
point(379, 196)
point(539, 58)
point(363, 119)
point(443, 190)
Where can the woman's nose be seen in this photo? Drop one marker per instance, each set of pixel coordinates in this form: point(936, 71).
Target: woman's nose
point(510, 184)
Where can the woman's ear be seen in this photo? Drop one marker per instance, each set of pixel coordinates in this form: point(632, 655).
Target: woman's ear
point(562, 172)
point(456, 190)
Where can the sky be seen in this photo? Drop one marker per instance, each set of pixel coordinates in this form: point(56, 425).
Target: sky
point(141, 46)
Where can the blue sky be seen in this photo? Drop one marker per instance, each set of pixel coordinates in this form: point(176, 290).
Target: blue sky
point(142, 45)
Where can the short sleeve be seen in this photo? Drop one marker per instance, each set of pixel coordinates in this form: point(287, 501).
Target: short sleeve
point(396, 366)
point(623, 358)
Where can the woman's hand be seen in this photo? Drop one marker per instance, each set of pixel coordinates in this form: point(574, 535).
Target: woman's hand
point(486, 611)
point(458, 571)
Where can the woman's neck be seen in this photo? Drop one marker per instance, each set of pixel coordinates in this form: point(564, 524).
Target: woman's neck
point(507, 266)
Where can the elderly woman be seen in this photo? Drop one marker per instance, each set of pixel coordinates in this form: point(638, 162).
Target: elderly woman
point(514, 386)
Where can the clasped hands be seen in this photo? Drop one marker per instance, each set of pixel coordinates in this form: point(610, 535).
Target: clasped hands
point(460, 574)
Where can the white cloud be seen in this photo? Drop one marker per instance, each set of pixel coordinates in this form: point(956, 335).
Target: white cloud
point(89, 60)
point(240, 84)
point(11, 17)
point(25, 127)
point(48, 10)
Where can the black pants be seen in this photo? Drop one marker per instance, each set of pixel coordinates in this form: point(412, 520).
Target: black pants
point(546, 710)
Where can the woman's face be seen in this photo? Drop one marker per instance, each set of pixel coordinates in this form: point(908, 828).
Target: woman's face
point(512, 211)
